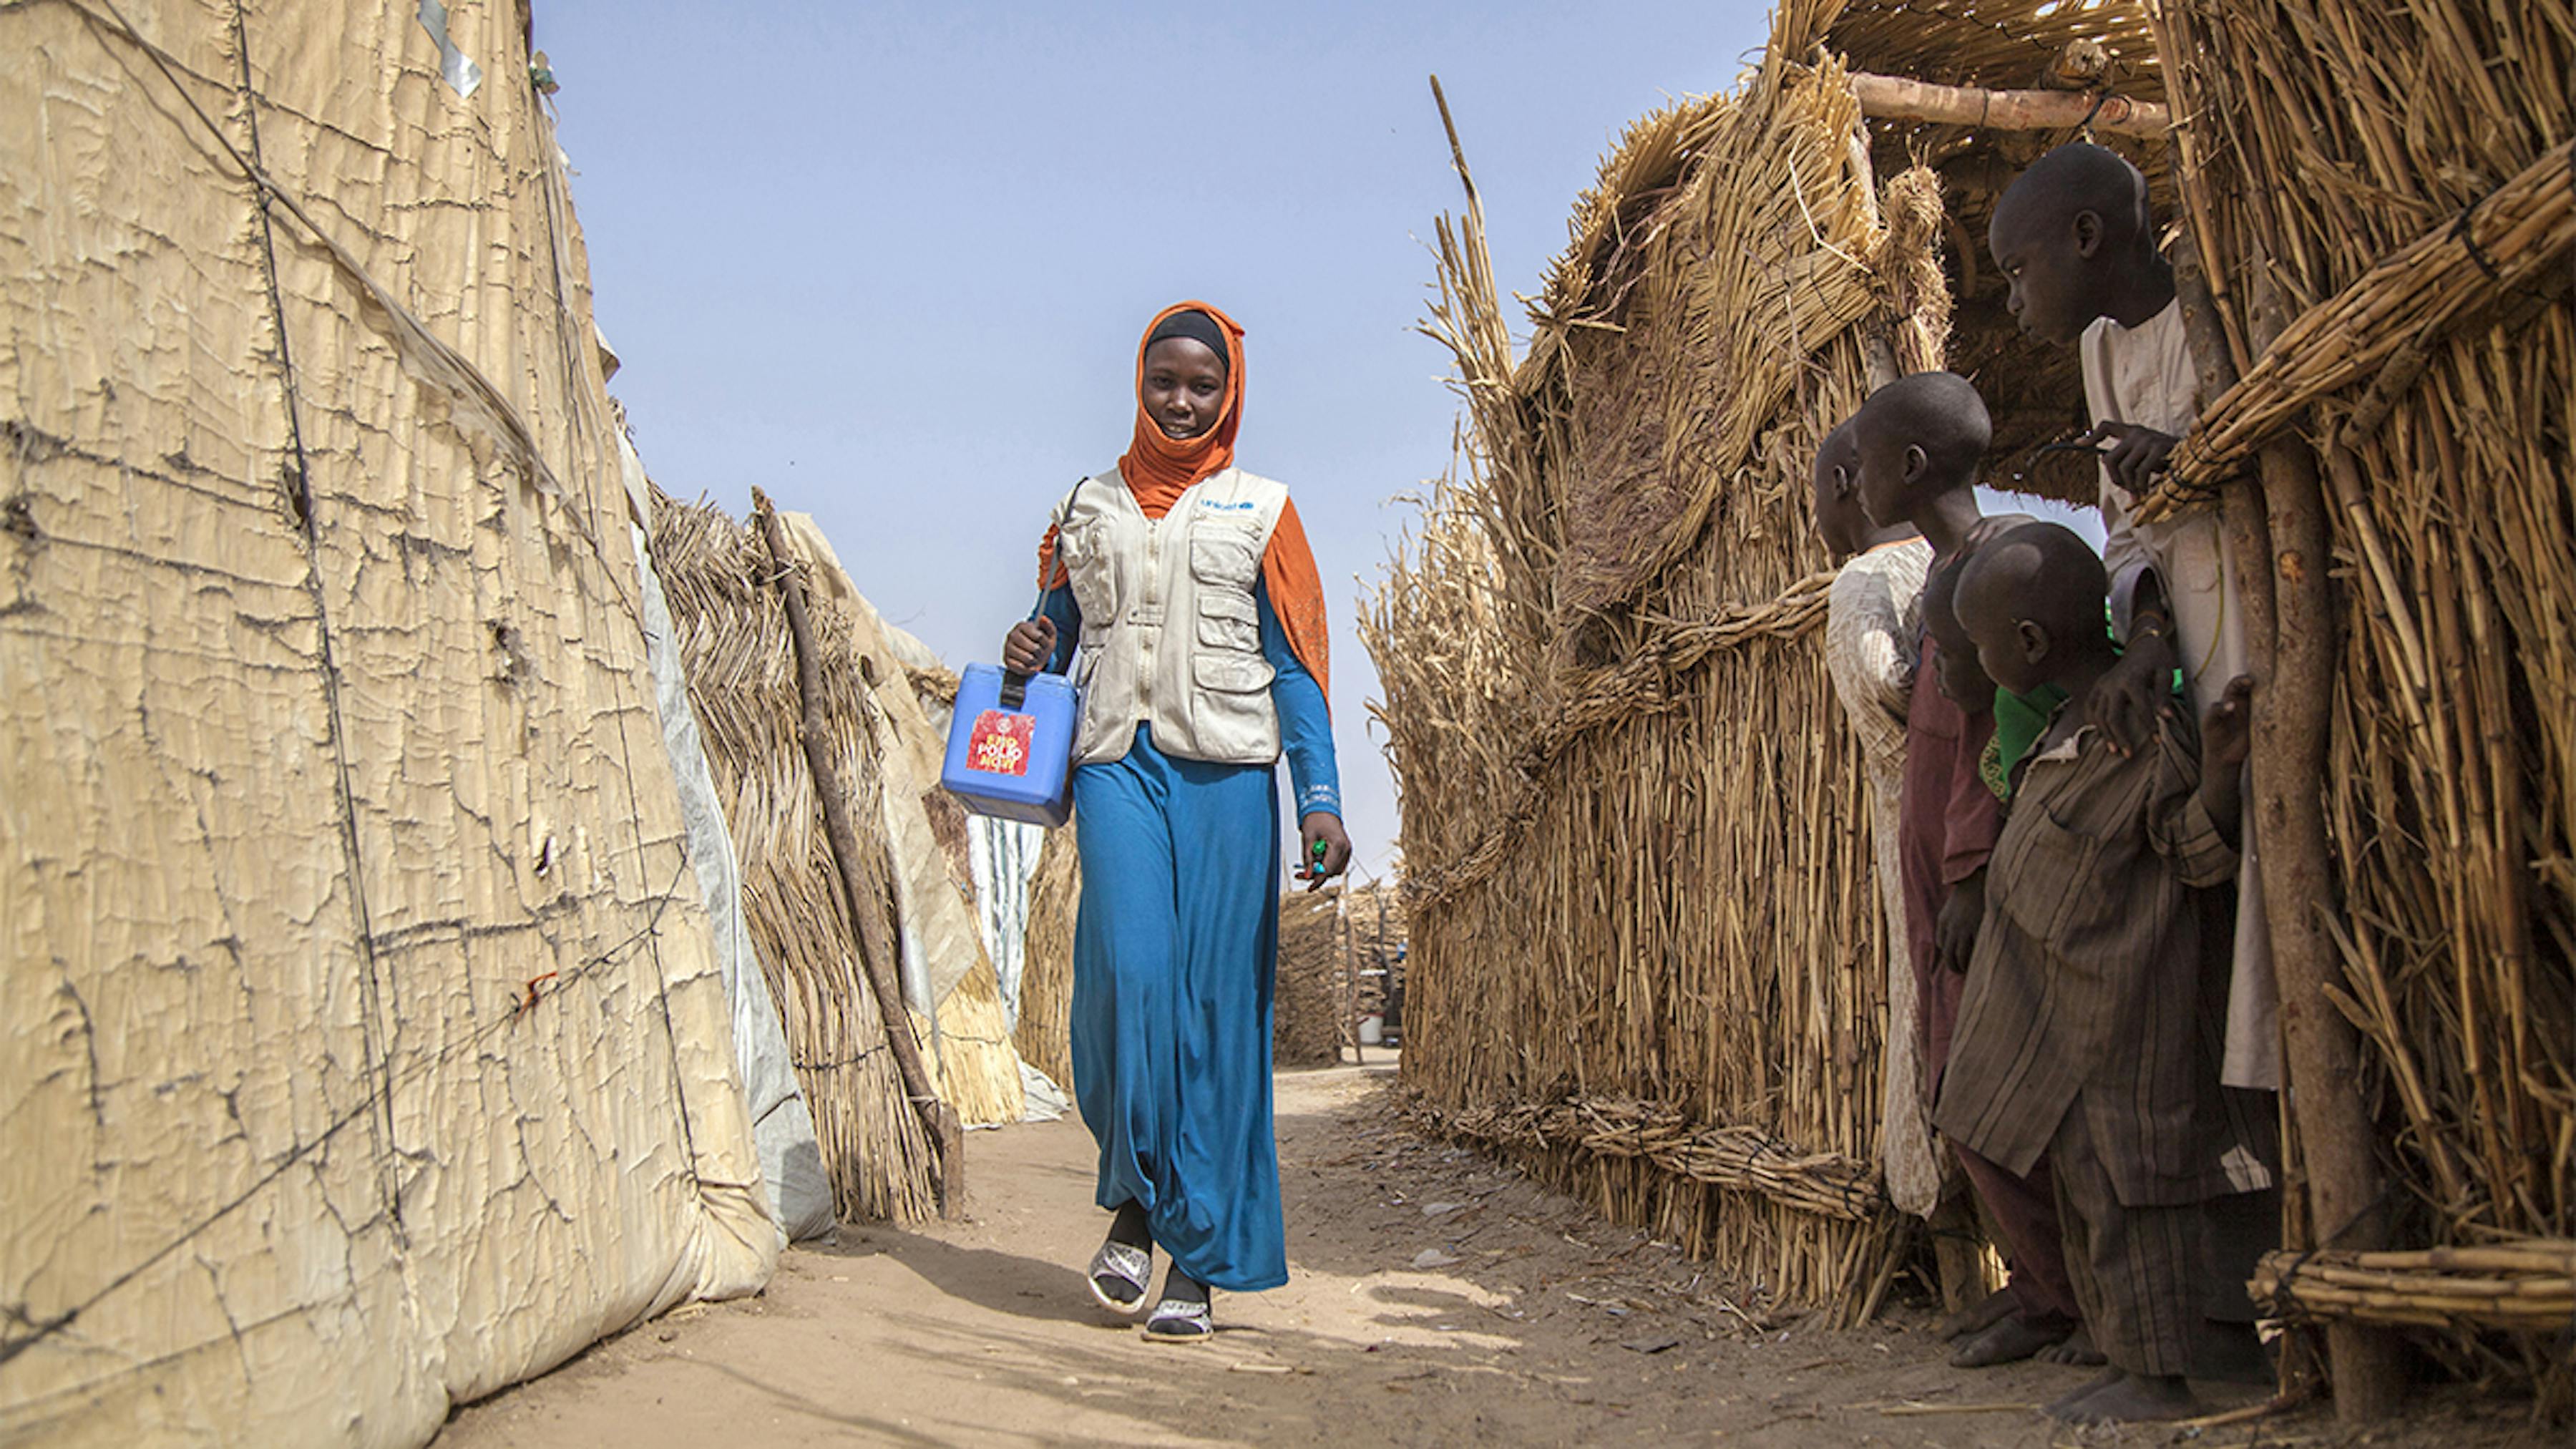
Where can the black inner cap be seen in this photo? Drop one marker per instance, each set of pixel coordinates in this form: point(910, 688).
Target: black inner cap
point(1198, 327)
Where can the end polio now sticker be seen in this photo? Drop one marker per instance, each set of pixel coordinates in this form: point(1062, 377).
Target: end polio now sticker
point(1000, 742)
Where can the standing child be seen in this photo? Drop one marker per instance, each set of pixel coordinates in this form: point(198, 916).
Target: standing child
point(1870, 633)
point(2081, 1037)
point(1921, 441)
point(2076, 246)
point(2077, 249)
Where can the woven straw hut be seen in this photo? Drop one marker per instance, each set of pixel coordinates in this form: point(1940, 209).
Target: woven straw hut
point(1599, 664)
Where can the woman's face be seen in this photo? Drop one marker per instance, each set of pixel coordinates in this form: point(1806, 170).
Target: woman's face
point(1184, 391)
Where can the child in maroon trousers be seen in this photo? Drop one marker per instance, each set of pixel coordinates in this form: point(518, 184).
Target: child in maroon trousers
point(1922, 440)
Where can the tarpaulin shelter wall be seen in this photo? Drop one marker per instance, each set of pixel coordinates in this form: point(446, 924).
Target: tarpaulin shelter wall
point(1645, 954)
point(366, 1046)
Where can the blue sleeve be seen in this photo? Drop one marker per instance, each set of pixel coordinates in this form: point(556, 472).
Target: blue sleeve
point(1305, 724)
point(1066, 615)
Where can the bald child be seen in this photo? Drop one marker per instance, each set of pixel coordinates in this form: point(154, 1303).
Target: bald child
point(2080, 1038)
point(2077, 248)
point(1921, 442)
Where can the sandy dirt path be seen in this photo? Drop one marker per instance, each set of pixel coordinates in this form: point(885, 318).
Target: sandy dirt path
point(1437, 1299)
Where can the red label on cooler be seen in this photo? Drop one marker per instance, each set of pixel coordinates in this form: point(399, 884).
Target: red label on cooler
point(1000, 742)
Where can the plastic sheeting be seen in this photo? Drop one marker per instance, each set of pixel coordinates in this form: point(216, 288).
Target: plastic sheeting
point(791, 1160)
point(365, 1044)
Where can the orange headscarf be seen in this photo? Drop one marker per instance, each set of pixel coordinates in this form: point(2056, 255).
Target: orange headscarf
point(1159, 469)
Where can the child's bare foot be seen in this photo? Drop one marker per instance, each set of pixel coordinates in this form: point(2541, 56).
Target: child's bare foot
point(2231, 1353)
point(2076, 1350)
point(2016, 1338)
point(2063, 1406)
point(1977, 1317)
point(2132, 1398)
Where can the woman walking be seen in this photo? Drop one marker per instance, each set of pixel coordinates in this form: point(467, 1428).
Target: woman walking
point(1182, 598)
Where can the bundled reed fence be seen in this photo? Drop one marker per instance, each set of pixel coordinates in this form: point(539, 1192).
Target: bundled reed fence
point(741, 662)
point(1045, 1032)
point(2381, 198)
point(1310, 1006)
point(2527, 1286)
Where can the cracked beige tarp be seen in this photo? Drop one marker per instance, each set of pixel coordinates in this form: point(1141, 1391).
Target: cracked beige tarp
point(364, 1049)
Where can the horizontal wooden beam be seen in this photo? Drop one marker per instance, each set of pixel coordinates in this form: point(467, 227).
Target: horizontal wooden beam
point(1894, 98)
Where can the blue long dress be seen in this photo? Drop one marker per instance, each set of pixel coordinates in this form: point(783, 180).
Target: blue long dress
point(1174, 948)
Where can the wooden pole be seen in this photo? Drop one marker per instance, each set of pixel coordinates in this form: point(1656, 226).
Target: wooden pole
point(877, 953)
point(1350, 980)
point(1385, 968)
point(2293, 631)
point(1895, 98)
point(2293, 718)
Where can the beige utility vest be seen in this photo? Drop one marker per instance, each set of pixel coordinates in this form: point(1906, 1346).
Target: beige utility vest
point(1170, 634)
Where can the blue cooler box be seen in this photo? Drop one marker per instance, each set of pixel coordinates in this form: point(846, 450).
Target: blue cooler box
point(1012, 757)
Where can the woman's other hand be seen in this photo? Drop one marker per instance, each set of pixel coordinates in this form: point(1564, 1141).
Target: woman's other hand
point(1321, 827)
point(1029, 645)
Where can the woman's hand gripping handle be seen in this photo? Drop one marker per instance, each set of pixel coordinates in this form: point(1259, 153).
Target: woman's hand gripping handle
point(1029, 645)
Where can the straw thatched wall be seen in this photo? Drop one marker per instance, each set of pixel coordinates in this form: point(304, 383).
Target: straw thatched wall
point(1633, 822)
point(1045, 1032)
point(734, 636)
point(742, 680)
point(1308, 1015)
point(2401, 317)
point(1593, 644)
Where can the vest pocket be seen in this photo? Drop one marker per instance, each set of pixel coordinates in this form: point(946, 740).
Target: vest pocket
point(1232, 673)
point(1083, 547)
point(1224, 555)
point(1228, 620)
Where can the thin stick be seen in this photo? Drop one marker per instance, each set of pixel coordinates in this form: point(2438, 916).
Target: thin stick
point(877, 952)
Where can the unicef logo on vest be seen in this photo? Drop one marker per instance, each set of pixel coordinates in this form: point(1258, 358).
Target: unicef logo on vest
point(1223, 507)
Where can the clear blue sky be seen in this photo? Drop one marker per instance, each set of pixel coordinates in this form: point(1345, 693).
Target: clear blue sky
point(889, 262)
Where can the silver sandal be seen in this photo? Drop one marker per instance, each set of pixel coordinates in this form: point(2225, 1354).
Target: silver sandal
point(1175, 1321)
point(1124, 1266)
